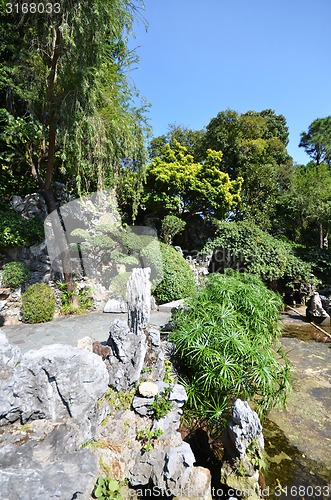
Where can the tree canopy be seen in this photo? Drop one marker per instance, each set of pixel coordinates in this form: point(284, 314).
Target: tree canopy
point(177, 184)
point(317, 140)
point(67, 108)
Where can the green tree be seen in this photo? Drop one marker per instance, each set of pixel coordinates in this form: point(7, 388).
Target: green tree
point(67, 103)
point(176, 184)
point(317, 140)
point(306, 205)
point(254, 147)
point(191, 139)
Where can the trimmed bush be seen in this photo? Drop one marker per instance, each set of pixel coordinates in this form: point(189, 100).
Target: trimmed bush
point(178, 278)
point(228, 341)
point(15, 274)
point(38, 303)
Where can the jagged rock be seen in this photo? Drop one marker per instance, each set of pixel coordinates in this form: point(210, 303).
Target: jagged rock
point(9, 354)
point(198, 486)
point(54, 382)
point(153, 332)
point(318, 309)
point(167, 468)
point(115, 306)
point(148, 389)
point(43, 461)
point(143, 406)
point(243, 428)
point(139, 299)
point(127, 355)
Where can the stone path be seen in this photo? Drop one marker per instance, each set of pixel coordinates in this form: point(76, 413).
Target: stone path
point(67, 330)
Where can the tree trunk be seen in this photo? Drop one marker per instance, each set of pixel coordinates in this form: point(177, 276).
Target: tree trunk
point(58, 226)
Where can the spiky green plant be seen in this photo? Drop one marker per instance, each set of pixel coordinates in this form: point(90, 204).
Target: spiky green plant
point(228, 342)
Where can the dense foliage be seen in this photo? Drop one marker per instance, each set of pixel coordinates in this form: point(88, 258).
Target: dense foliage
point(68, 110)
point(16, 230)
point(246, 247)
point(170, 226)
point(227, 339)
point(15, 274)
point(38, 303)
point(176, 184)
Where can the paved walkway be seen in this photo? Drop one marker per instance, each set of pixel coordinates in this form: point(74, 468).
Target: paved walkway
point(67, 330)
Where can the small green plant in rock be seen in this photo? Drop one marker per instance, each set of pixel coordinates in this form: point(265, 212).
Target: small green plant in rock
point(15, 274)
point(162, 404)
point(38, 303)
point(106, 488)
point(168, 378)
point(148, 438)
point(118, 400)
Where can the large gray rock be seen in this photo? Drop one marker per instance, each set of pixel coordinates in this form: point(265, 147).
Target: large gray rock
point(54, 382)
point(127, 355)
point(244, 428)
point(168, 468)
point(43, 462)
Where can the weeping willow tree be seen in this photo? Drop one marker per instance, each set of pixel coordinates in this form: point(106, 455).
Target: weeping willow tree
point(67, 108)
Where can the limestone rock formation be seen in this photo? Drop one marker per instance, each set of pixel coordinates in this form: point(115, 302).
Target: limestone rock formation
point(54, 382)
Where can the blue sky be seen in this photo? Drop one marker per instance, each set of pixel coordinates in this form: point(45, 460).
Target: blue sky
point(199, 57)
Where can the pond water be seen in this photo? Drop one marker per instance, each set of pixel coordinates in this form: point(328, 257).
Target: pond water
point(298, 439)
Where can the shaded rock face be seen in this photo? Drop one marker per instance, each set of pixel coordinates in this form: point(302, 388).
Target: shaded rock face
point(243, 443)
point(53, 391)
point(244, 428)
point(53, 382)
point(127, 354)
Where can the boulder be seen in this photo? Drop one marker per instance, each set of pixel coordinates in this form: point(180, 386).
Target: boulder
point(127, 354)
point(54, 382)
point(115, 306)
point(43, 461)
point(9, 354)
point(243, 428)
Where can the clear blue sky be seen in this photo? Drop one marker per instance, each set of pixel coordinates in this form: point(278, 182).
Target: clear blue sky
point(199, 57)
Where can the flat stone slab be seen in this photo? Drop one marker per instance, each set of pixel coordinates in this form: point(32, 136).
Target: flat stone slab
point(171, 305)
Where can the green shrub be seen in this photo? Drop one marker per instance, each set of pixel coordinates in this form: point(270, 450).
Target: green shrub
point(84, 296)
point(228, 342)
point(177, 276)
point(38, 303)
point(15, 274)
point(15, 230)
point(257, 252)
point(170, 226)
